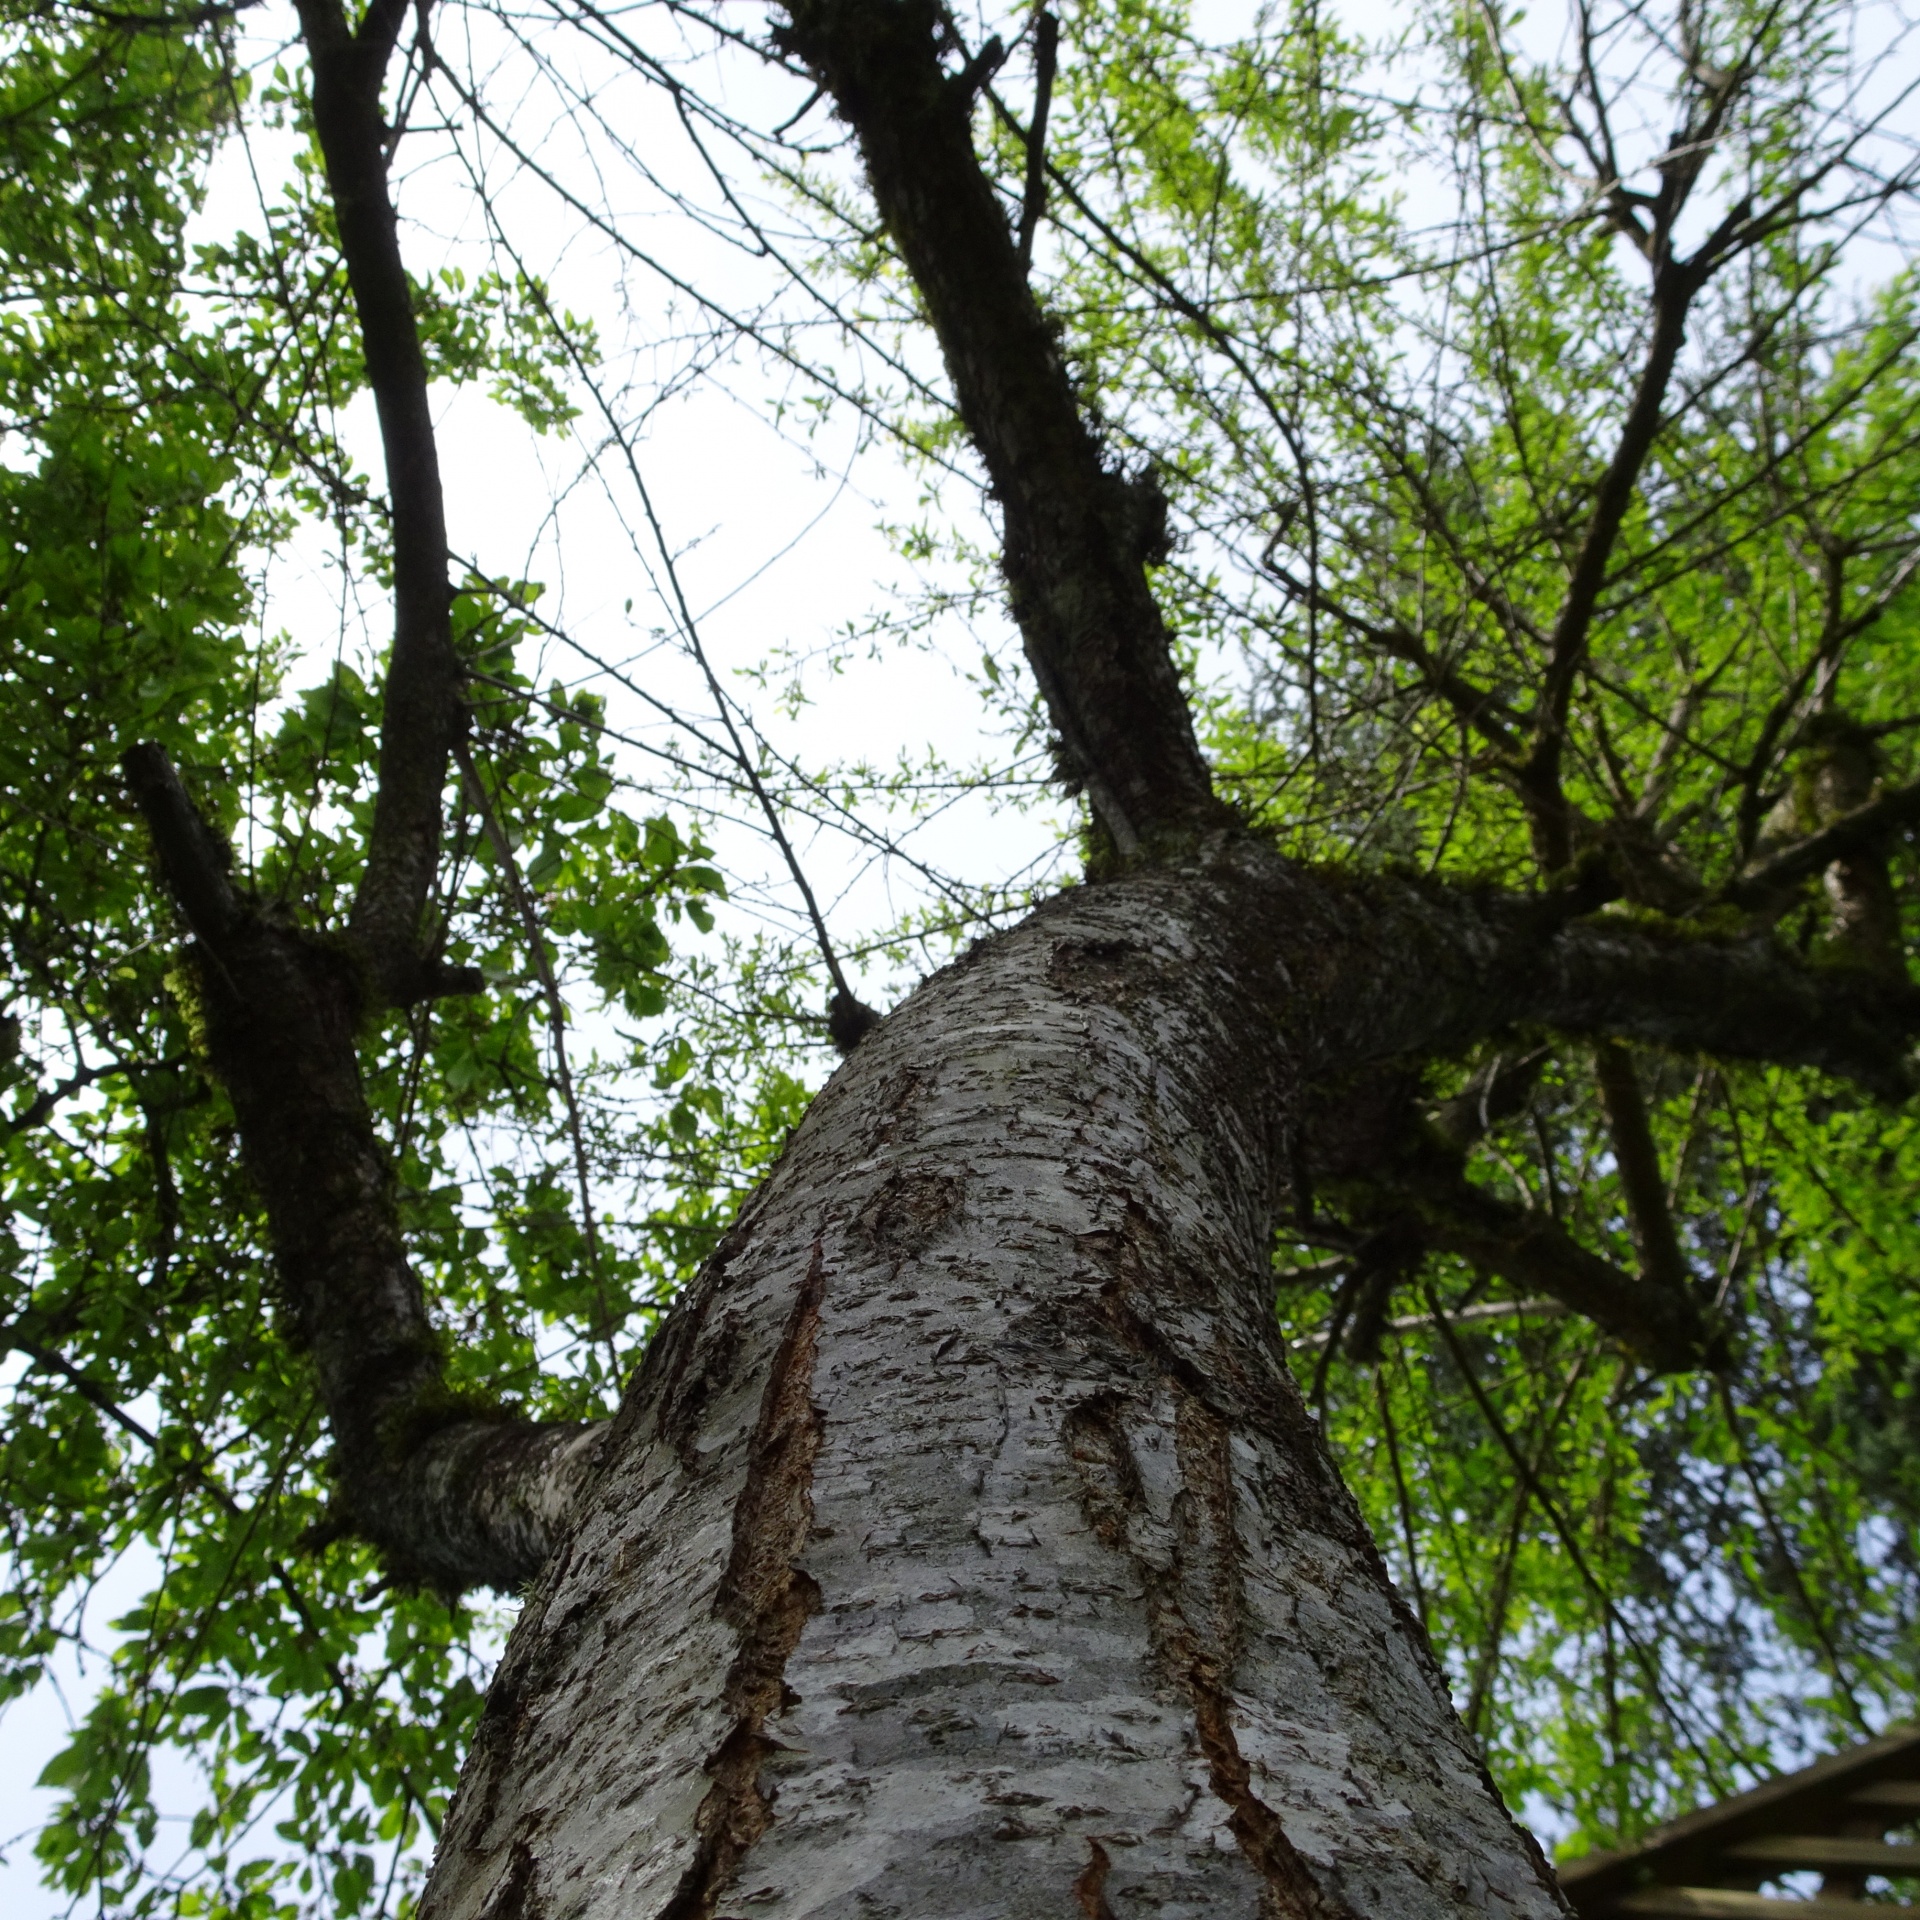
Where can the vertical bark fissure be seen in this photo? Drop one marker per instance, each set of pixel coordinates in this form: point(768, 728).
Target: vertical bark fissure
point(1090, 1886)
point(767, 1599)
point(1194, 1614)
point(1209, 1553)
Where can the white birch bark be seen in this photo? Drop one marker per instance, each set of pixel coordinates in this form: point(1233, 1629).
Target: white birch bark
point(964, 1548)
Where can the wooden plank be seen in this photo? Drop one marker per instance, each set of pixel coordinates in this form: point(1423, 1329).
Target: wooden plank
point(1829, 1850)
point(1684, 1849)
point(1723, 1903)
point(1903, 1795)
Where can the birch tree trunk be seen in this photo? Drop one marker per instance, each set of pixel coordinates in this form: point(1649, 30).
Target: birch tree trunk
point(965, 1547)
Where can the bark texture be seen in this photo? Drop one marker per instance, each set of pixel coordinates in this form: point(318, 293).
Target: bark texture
point(964, 1547)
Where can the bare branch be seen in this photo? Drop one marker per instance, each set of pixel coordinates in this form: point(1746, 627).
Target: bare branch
point(1046, 52)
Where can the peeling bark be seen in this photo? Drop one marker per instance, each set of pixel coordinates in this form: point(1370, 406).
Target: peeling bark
point(964, 1546)
point(767, 1599)
point(1191, 1574)
point(1090, 1890)
point(1073, 1610)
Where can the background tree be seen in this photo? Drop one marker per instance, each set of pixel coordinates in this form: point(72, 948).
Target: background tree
point(1536, 600)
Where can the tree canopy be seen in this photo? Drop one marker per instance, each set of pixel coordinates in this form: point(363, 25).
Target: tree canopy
point(1520, 425)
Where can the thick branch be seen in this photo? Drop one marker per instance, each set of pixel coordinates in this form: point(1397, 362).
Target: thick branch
point(1367, 973)
point(454, 1494)
point(194, 860)
point(1426, 967)
point(1534, 1252)
point(1497, 1092)
point(1853, 832)
point(1743, 999)
point(421, 715)
point(1078, 536)
point(1401, 1180)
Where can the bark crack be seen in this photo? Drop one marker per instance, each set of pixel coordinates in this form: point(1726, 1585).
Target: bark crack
point(768, 1600)
point(1090, 1885)
point(1194, 1617)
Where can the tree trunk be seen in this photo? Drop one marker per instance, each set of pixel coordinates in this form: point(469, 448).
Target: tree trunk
point(965, 1547)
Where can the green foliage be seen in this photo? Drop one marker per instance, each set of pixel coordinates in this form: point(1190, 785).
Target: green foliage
point(1645, 1589)
point(1368, 315)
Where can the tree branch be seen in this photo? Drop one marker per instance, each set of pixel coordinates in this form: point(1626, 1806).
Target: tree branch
point(454, 1493)
point(1046, 53)
point(1676, 282)
point(1852, 832)
point(195, 861)
point(1567, 648)
point(1078, 536)
point(421, 714)
point(1638, 1161)
point(1739, 999)
point(1401, 1179)
point(1475, 707)
point(1428, 967)
point(1533, 1252)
